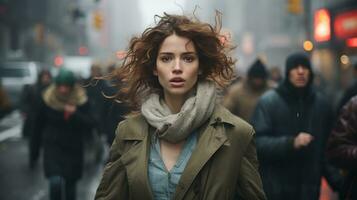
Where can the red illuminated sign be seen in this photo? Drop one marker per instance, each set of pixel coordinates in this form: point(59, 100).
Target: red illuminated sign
point(322, 29)
point(345, 24)
point(351, 42)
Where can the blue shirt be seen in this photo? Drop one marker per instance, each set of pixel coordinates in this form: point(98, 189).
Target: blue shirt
point(163, 182)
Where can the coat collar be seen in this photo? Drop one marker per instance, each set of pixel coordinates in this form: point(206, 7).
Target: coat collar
point(211, 137)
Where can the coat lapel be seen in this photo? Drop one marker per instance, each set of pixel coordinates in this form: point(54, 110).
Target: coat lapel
point(211, 139)
point(136, 164)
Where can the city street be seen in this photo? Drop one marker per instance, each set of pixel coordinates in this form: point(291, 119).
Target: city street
point(19, 182)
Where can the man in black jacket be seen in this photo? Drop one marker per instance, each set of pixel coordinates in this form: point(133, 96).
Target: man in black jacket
point(292, 124)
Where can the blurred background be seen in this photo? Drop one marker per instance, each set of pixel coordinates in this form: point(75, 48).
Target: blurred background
point(50, 34)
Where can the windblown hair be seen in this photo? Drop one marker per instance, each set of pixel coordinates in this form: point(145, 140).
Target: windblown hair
point(135, 76)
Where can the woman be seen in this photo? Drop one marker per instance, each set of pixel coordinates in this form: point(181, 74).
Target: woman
point(62, 121)
point(182, 145)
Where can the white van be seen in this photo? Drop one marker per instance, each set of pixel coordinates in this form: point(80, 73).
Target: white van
point(14, 75)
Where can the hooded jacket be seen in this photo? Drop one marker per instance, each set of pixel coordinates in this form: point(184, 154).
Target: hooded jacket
point(223, 165)
point(281, 114)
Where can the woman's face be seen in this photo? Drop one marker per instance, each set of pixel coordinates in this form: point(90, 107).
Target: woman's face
point(177, 66)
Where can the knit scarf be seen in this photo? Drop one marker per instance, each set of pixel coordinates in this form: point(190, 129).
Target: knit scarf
point(195, 111)
point(57, 102)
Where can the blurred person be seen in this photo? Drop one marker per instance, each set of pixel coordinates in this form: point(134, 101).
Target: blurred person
point(350, 91)
point(5, 105)
point(107, 113)
point(115, 111)
point(243, 96)
point(30, 98)
point(61, 123)
point(94, 89)
point(342, 147)
point(180, 144)
point(275, 75)
point(292, 124)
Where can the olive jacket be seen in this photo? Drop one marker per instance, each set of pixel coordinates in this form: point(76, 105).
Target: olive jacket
point(224, 164)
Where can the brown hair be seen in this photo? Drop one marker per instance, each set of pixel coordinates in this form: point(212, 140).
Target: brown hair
point(135, 76)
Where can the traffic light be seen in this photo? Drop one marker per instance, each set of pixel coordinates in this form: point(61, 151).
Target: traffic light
point(98, 20)
point(295, 6)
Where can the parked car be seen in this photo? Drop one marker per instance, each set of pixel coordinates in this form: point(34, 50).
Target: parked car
point(15, 75)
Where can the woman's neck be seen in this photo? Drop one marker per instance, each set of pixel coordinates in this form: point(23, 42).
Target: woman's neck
point(174, 102)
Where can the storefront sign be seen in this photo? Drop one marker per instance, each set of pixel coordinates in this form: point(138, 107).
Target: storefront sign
point(322, 30)
point(345, 24)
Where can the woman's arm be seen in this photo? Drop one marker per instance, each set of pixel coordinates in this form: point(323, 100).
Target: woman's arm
point(114, 183)
point(250, 186)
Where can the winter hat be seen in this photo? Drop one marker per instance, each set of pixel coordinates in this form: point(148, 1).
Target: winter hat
point(257, 70)
point(65, 77)
point(295, 60)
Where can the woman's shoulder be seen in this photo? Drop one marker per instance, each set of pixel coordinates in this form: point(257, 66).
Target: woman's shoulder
point(132, 128)
point(233, 122)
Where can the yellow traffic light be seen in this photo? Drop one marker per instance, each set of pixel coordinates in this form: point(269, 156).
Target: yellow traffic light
point(98, 20)
point(295, 6)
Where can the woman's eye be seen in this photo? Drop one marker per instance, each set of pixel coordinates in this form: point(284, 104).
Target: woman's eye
point(189, 59)
point(165, 58)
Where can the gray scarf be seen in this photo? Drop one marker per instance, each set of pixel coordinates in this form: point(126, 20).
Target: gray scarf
point(194, 112)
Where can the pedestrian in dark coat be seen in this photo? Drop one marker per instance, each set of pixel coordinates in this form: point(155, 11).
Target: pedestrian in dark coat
point(107, 113)
point(292, 124)
point(342, 147)
point(30, 98)
point(94, 89)
point(60, 127)
point(242, 97)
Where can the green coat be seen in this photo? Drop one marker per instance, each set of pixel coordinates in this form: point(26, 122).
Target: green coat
point(224, 164)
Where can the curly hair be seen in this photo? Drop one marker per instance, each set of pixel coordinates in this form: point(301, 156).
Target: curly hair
point(135, 77)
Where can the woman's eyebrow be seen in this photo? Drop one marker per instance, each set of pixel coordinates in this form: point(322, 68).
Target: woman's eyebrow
point(184, 53)
point(167, 53)
point(189, 52)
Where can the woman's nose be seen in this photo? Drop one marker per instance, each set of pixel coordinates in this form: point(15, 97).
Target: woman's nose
point(177, 66)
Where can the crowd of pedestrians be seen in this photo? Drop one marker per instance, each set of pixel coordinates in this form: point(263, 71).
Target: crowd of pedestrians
point(171, 138)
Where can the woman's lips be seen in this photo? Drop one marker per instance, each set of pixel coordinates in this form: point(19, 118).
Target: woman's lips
point(177, 82)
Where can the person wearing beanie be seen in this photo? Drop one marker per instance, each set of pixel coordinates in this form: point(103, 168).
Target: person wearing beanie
point(292, 124)
point(61, 123)
point(243, 96)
